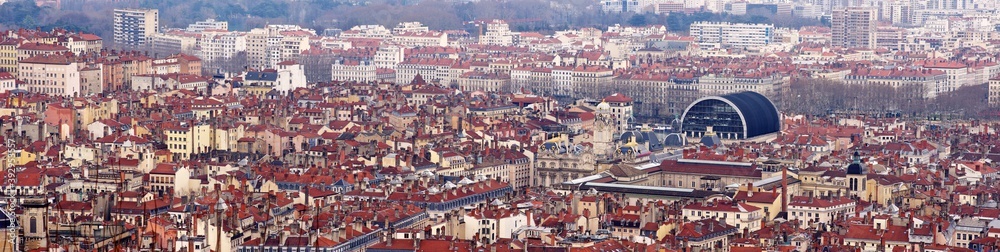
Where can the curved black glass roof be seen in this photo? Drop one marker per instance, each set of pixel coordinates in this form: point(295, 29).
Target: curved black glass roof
point(760, 115)
point(759, 112)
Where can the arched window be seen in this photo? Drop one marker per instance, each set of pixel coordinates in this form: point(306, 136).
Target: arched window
point(33, 225)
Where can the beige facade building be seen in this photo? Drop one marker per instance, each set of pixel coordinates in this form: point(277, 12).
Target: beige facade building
point(50, 74)
point(350, 70)
point(185, 140)
point(275, 43)
point(744, 217)
point(91, 80)
point(28, 50)
point(416, 39)
point(174, 42)
point(8, 56)
point(487, 82)
point(818, 210)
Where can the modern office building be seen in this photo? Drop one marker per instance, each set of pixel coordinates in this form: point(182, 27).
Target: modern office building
point(134, 26)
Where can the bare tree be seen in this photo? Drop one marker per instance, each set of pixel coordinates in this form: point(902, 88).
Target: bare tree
point(820, 96)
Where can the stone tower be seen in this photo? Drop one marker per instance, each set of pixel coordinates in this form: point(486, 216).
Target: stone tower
point(33, 223)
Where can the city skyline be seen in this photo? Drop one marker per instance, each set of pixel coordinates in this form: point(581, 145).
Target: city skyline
point(516, 125)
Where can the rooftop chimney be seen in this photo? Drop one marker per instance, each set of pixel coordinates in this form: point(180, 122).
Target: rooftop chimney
point(784, 189)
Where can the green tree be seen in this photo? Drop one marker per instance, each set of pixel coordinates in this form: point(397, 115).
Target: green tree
point(637, 20)
point(269, 9)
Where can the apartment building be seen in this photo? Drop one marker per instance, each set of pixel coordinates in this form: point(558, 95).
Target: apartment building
point(56, 74)
point(208, 24)
point(275, 43)
point(293, 43)
point(818, 211)
point(8, 56)
point(531, 78)
point(994, 92)
point(854, 27)
point(352, 70)
point(367, 32)
point(291, 75)
point(428, 69)
point(664, 94)
point(217, 49)
point(744, 217)
point(389, 56)
point(91, 80)
point(28, 50)
point(890, 37)
point(620, 6)
point(418, 39)
point(184, 140)
point(957, 74)
point(7, 82)
point(732, 35)
point(581, 81)
point(174, 42)
point(497, 33)
point(119, 69)
point(82, 43)
point(409, 27)
point(768, 84)
point(133, 27)
point(923, 83)
point(492, 224)
point(482, 81)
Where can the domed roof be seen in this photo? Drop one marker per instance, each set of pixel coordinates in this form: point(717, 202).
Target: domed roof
point(639, 137)
point(675, 140)
point(711, 140)
point(757, 113)
point(856, 168)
